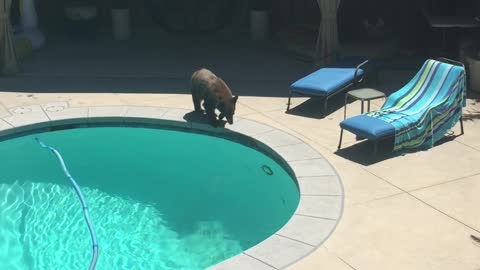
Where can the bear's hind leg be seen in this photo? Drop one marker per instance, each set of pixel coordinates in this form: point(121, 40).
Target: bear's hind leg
point(211, 115)
point(196, 102)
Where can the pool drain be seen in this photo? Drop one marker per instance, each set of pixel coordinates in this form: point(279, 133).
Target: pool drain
point(267, 170)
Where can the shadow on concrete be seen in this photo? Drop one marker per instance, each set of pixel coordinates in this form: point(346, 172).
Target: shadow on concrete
point(161, 64)
point(201, 118)
point(470, 116)
point(160, 85)
point(313, 107)
point(362, 152)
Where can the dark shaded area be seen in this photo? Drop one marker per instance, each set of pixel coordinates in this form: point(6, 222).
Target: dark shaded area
point(196, 117)
point(201, 118)
point(402, 19)
point(81, 57)
point(471, 116)
point(362, 152)
point(313, 107)
point(191, 15)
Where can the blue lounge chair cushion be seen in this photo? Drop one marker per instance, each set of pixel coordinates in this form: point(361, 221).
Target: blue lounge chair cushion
point(325, 81)
point(368, 127)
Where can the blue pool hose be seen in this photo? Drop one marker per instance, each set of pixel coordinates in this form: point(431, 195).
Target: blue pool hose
point(82, 201)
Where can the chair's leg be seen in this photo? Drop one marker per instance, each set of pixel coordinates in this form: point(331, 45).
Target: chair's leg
point(375, 148)
point(461, 126)
point(289, 101)
point(325, 107)
point(345, 109)
point(341, 138)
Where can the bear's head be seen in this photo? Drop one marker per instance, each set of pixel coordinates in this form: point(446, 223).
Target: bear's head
point(227, 109)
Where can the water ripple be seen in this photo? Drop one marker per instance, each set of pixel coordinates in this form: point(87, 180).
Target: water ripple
point(42, 227)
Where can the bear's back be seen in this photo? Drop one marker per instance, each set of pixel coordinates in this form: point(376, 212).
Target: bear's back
point(203, 76)
point(206, 81)
point(221, 89)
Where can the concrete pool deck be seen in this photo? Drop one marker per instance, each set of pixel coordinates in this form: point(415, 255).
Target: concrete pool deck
point(414, 211)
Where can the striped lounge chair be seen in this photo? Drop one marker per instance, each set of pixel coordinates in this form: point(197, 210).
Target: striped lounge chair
point(419, 114)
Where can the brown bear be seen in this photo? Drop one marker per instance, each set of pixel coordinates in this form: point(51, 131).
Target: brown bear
point(215, 94)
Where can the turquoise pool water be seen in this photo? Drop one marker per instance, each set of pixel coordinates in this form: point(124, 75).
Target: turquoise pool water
point(159, 199)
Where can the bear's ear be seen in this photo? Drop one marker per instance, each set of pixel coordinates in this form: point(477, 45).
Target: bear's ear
point(234, 99)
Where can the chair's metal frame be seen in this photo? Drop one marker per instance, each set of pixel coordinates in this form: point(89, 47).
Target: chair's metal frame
point(462, 131)
point(356, 79)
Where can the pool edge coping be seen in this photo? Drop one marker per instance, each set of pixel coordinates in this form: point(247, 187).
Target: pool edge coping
point(279, 251)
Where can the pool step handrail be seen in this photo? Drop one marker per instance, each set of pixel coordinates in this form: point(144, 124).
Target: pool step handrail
point(93, 263)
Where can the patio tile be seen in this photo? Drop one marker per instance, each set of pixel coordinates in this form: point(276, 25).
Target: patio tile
point(148, 100)
point(277, 138)
point(55, 106)
point(328, 207)
point(359, 184)
point(106, 113)
point(176, 101)
point(175, 115)
point(25, 110)
point(249, 128)
point(5, 128)
point(426, 168)
point(264, 104)
point(4, 125)
point(470, 138)
point(321, 185)
point(312, 167)
point(14, 99)
point(80, 114)
point(324, 131)
point(319, 260)
point(4, 112)
point(242, 261)
point(145, 112)
point(27, 115)
point(94, 99)
point(465, 193)
point(295, 152)
point(279, 252)
point(310, 230)
point(272, 122)
point(242, 109)
point(399, 233)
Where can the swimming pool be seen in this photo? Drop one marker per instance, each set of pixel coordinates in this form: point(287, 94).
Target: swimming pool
point(158, 198)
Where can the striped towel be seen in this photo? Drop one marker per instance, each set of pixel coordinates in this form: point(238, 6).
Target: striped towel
point(425, 109)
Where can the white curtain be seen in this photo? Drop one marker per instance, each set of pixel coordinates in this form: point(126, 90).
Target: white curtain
point(8, 59)
point(327, 45)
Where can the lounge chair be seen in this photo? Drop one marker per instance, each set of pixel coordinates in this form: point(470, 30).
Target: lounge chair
point(327, 82)
point(420, 113)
